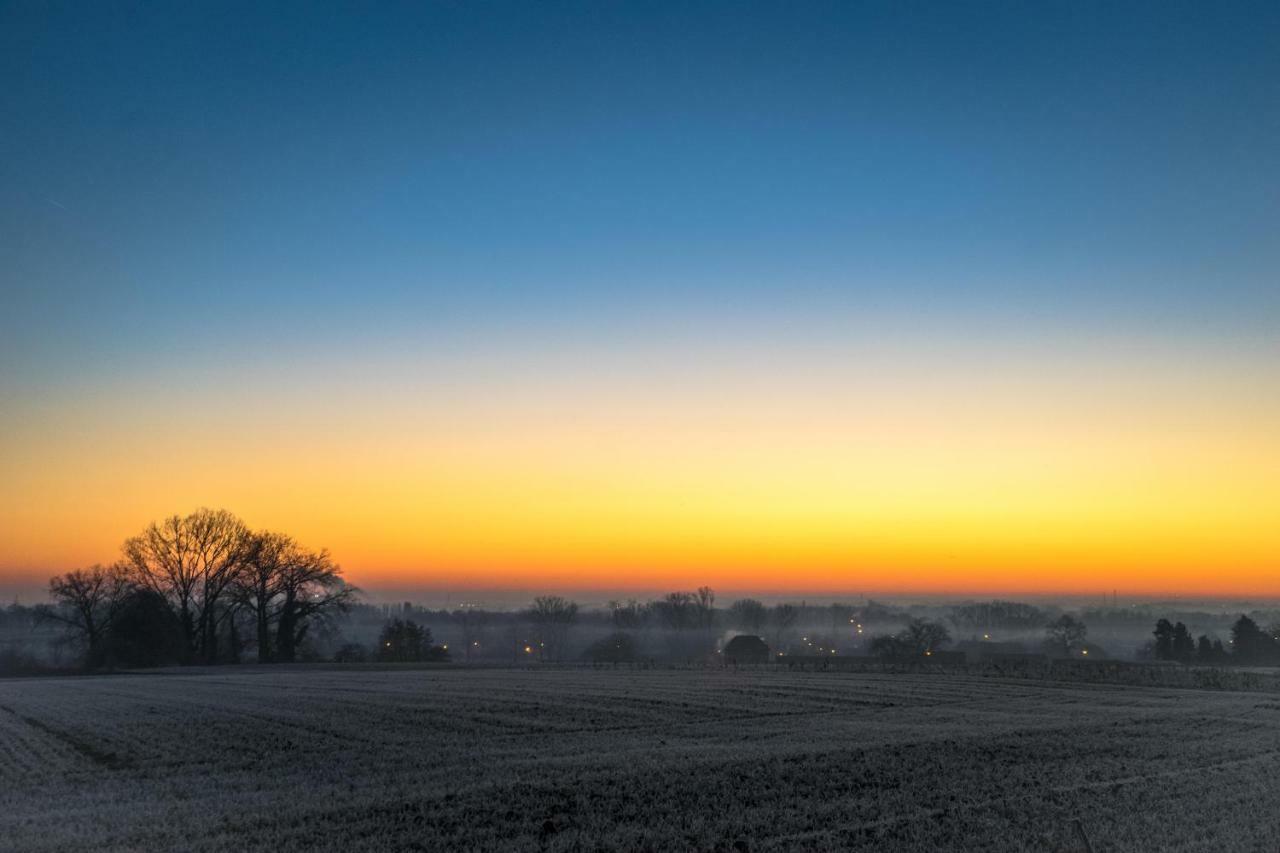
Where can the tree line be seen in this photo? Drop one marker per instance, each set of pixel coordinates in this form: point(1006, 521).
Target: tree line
point(1250, 644)
point(200, 588)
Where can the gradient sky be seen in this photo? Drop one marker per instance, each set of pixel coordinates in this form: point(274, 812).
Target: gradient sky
point(784, 297)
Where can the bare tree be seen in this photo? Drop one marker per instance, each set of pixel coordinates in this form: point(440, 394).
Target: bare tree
point(191, 561)
point(784, 619)
point(706, 606)
point(88, 600)
point(629, 615)
point(552, 616)
point(676, 610)
point(1067, 633)
point(748, 615)
point(311, 592)
point(257, 585)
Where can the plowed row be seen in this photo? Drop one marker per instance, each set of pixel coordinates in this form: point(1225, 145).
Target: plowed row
point(657, 760)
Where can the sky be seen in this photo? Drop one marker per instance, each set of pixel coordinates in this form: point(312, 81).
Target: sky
point(972, 298)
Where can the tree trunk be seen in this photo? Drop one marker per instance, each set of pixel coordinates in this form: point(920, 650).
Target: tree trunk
point(264, 634)
point(285, 633)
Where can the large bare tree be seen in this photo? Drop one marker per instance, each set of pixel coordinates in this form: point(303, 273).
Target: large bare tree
point(288, 588)
point(192, 561)
point(311, 591)
point(87, 601)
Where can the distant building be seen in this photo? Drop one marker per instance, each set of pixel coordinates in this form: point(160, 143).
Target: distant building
point(746, 648)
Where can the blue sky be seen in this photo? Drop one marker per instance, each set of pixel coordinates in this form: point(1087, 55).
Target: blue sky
point(180, 178)
point(491, 289)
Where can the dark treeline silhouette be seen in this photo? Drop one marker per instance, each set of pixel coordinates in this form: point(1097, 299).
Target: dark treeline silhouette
point(201, 588)
point(1249, 645)
point(204, 589)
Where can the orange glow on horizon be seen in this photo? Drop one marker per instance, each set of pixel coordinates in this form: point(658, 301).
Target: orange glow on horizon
point(945, 478)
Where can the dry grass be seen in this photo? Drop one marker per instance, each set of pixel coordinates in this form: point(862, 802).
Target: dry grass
point(658, 760)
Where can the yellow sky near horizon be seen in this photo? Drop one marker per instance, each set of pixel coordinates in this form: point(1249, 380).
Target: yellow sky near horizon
point(958, 471)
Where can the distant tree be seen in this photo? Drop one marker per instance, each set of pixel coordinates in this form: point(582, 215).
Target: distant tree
point(1006, 615)
point(552, 617)
point(924, 636)
point(677, 611)
point(1164, 640)
point(784, 618)
point(919, 639)
point(1184, 647)
point(191, 561)
point(630, 615)
point(618, 647)
point(747, 614)
point(1249, 644)
point(1204, 650)
point(705, 605)
point(1065, 634)
point(405, 641)
point(88, 601)
point(311, 592)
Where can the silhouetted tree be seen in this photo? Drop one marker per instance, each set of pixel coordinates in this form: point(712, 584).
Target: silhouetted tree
point(677, 611)
point(784, 617)
point(1184, 648)
point(1204, 650)
point(1164, 640)
point(705, 604)
point(257, 586)
point(88, 602)
point(629, 616)
point(311, 592)
point(1009, 615)
point(191, 561)
point(405, 641)
point(552, 616)
point(145, 631)
point(1065, 634)
point(924, 636)
point(918, 640)
point(1249, 644)
point(748, 614)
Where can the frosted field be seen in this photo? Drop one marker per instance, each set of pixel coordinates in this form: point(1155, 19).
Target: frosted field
point(658, 760)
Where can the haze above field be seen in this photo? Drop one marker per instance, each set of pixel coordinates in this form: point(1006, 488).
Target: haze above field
point(640, 297)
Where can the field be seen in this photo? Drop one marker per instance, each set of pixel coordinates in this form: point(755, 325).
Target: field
point(457, 759)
